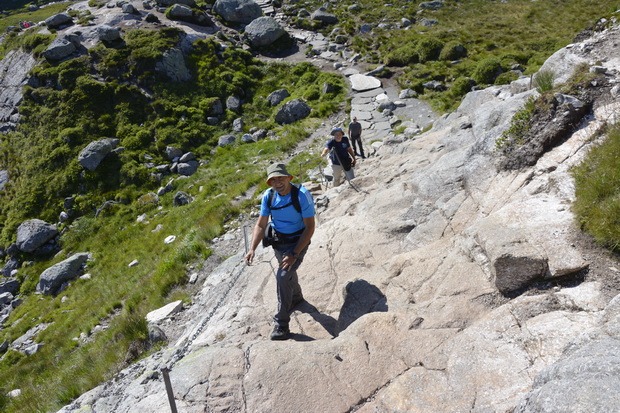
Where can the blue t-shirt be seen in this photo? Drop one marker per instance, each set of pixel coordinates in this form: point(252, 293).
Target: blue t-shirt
point(340, 147)
point(287, 220)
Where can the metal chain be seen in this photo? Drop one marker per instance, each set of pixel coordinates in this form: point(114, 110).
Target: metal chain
point(180, 353)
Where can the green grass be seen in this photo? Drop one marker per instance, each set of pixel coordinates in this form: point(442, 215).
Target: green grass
point(597, 191)
point(516, 32)
point(33, 16)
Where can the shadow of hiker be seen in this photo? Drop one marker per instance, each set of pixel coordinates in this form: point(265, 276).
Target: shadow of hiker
point(360, 297)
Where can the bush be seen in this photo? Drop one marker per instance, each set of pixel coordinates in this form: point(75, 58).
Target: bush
point(461, 86)
point(505, 78)
point(487, 71)
point(453, 50)
point(429, 49)
point(402, 56)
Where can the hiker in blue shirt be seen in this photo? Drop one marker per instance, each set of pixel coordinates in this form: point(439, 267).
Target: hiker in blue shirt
point(289, 232)
point(340, 153)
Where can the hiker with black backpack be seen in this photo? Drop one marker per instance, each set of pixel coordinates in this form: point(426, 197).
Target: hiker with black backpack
point(292, 225)
point(341, 155)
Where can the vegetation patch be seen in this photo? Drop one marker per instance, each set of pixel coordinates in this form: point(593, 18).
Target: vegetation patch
point(597, 191)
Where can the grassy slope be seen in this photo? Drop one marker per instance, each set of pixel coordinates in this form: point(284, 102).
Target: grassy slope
point(58, 122)
point(31, 16)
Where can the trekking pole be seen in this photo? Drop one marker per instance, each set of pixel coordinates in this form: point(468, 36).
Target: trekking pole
point(173, 405)
point(245, 238)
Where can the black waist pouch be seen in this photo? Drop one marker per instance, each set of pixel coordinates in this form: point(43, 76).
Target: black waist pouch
point(273, 237)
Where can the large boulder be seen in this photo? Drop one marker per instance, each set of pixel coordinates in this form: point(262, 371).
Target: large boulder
point(233, 103)
point(292, 111)
point(58, 20)
point(187, 168)
point(324, 17)
point(10, 286)
point(263, 31)
point(34, 233)
point(11, 265)
point(52, 278)
point(182, 198)
point(173, 65)
point(172, 152)
point(93, 154)
point(108, 33)
point(59, 49)
point(278, 96)
point(226, 140)
point(238, 11)
point(179, 12)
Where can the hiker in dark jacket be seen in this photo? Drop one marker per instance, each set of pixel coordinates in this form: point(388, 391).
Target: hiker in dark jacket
point(292, 222)
point(340, 153)
point(355, 132)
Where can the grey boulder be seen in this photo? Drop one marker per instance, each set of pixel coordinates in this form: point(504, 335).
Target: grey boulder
point(10, 286)
point(52, 278)
point(233, 103)
point(33, 234)
point(292, 111)
point(58, 20)
point(238, 11)
point(278, 96)
point(324, 17)
point(172, 152)
point(108, 33)
point(431, 5)
point(59, 49)
point(93, 154)
point(187, 168)
point(9, 267)
point(263, 31)
point(181, 198)
point(189, 156)
point(226, 140)
point(179, 12)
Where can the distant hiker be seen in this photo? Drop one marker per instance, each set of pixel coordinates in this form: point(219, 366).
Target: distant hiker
point(355, 132)
point(292, 224)
point(340, 154)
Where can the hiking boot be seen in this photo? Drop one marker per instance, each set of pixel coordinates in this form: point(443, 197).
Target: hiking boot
point(280, 333)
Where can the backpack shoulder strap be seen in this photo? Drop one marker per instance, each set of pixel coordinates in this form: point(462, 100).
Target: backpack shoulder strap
point(295, 198)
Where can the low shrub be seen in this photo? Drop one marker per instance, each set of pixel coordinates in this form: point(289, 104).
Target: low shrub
point(505, 78)
point(461, 86)
point(487, 71)
point(452, 50)
point(402, 56)
point(429, 48)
